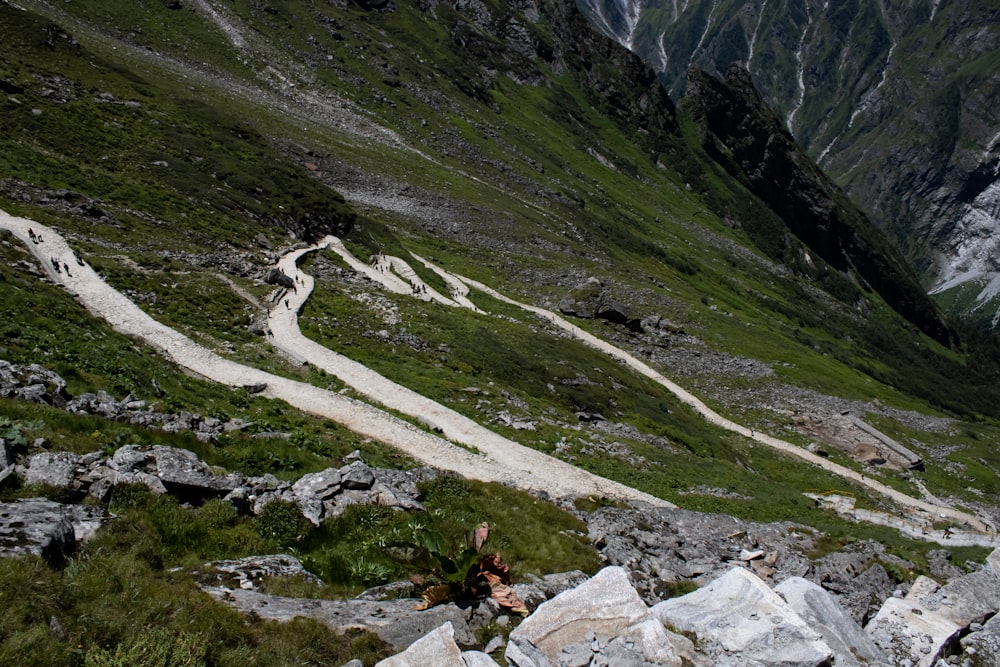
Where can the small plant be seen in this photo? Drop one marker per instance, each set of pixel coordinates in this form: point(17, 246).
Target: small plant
point(282, 521)
point(468, 574)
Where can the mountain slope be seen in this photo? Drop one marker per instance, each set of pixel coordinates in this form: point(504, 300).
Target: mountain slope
point(181, 148)
point(896, 101)
point(507, 142)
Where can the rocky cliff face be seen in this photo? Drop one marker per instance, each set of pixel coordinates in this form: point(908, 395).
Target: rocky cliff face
point(896, 102)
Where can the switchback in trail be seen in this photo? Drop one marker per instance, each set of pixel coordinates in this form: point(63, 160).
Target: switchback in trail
point(973, 530)
point(506, 461)
point(483, 454)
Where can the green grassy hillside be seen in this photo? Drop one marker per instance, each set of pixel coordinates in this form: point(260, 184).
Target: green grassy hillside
point(180, 150)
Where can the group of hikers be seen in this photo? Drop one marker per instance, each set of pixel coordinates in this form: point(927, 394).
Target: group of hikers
point(59, 268)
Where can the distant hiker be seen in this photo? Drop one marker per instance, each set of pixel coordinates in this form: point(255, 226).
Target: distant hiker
point(66, 268)
point(55, 264)
point(77, 258)
point(39, 237)
point(286, 304)
point(753, 433)
point(31, 235)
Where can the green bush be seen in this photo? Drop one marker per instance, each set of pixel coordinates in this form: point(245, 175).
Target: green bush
point(282, 522)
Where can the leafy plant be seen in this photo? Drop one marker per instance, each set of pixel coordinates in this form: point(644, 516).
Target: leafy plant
point(467, 574)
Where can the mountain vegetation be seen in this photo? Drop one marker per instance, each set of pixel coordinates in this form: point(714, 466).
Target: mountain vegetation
point(182, 146)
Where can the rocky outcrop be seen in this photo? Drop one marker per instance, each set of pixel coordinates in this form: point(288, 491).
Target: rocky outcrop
point(41, 385)
point(32, 383)
point(849, 643)
point(181, 473)
point(38, 527)
point(909, 633)
point(733, 621)
point(590, 300)
point(330, 492)
point(983, 644)
point(662, 547)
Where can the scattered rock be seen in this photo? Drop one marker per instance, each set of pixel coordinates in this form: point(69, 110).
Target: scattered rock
point(248, 573)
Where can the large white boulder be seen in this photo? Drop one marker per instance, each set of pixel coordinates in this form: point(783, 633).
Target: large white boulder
point(603, 617)
point(739, 620)
point(911, 634)
point(817, 607)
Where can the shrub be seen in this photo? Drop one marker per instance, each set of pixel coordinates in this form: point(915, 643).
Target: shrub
point(282, 521)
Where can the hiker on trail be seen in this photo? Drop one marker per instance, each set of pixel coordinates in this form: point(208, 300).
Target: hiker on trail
point(78, 260)
point(55, 264)
point(286, 305)
point(66, 268)
point(31, 235)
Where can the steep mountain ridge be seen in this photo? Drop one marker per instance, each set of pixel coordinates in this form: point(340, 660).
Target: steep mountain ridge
point(896, 101)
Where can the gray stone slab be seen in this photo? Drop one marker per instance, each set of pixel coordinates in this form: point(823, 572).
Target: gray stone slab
point(910, 633)
point(38, 527)
point(394, 621)
point(437, 648)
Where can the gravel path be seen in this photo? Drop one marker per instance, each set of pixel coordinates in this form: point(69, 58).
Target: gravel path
point(417, 405)
point(935, 511)
point(489, 456)
point(502, 461)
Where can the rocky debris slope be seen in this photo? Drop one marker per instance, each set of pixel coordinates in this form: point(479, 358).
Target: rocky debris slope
point(734, 620)
point(662, 548)
point(811, 616)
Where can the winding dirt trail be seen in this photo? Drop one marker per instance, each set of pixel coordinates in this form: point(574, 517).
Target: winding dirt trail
point(976, 531)
point(489, 457)
point(934, 510)
point(505, 461)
